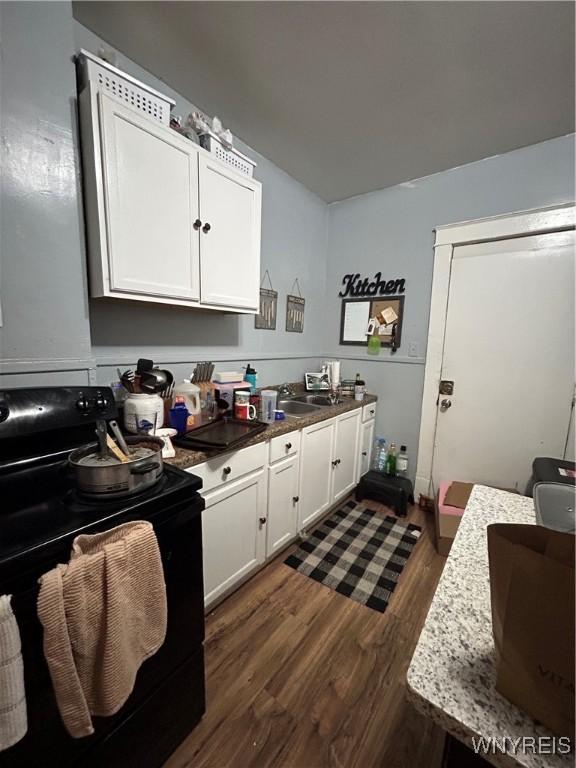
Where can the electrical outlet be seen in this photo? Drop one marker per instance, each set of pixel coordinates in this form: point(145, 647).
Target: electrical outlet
point(413, 349)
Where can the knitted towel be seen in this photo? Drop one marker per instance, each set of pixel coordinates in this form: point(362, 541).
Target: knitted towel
point(103, 614)
point(13, 720)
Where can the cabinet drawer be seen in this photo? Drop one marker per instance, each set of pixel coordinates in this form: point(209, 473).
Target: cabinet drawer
point(228, 467)
point(284, 445)
point(369, 412)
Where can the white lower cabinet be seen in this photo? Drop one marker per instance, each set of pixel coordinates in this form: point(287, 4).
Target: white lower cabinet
point(345, 454)
point(315, 471)
point(366, 443)
point(282, 522)
point(259, 498)
point(233, 533)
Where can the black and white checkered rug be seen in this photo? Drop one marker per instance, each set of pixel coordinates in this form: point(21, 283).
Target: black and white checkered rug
point(358, 554)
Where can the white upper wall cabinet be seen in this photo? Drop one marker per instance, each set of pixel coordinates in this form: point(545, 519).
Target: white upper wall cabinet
point(166, 221)
point(230, 212)
point(152, 245)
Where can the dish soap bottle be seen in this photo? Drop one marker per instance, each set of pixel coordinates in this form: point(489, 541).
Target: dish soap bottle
point(402, 462)
point(250, 377)
point(359, 388)
point(391, 461)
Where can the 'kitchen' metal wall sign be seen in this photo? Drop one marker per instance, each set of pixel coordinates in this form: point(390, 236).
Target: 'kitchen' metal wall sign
point(354, 285)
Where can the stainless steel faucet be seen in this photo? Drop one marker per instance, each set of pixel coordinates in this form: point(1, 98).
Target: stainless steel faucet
point(286, 391)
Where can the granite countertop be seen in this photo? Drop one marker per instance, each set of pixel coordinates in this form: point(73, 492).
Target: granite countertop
point(452, 675)
point(186, 458)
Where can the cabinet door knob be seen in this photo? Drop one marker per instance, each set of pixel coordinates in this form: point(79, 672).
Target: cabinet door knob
point(335, 462)
point(262, 521)
point(288, 446)
point(206, 228)
point(227, 470)
point(364, 453)
point(295, 499)
point(372, 412)
point(197, 224)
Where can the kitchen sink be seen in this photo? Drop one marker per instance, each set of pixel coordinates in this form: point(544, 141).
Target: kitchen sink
point(321, 400)
point(555, 505)
point(297, 408)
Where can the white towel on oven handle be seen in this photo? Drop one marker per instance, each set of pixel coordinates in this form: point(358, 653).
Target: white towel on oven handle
point(13, 717)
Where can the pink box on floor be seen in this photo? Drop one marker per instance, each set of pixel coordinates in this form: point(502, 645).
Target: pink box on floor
point(447, 521)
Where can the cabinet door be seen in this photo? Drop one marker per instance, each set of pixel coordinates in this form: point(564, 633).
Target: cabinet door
point(282, 523)
point(233, 535)
point(230, 236)
point(151, 202)
point(366, 443)
point(315, 472)
point(345, 454)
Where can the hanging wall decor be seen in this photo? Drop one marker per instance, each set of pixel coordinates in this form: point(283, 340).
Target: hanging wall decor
point(295, 310)
point(265, 320)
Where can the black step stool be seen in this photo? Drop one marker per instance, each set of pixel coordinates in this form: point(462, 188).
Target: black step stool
point(395, 492)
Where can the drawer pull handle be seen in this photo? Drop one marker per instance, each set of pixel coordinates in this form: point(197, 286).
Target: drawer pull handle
point(288, 446)
point(295, 499)
point(227, 470)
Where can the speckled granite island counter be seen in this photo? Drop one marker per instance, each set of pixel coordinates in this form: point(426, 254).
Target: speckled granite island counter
point(452, 676)
point(186, 458)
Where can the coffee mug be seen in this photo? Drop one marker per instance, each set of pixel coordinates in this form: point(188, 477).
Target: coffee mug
point(244, 411)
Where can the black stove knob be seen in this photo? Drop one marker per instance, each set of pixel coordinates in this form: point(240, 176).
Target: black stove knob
point(83, 404)
point(102, 402)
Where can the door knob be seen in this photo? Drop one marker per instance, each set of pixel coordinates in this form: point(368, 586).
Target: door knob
point(445, 404)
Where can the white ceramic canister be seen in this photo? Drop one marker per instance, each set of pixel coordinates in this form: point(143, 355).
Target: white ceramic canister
point(142, 408)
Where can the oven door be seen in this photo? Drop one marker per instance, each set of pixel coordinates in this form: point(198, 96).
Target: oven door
point(47, 743)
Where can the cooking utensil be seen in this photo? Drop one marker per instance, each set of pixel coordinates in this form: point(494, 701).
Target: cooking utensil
point(108, 477)
point(153, 381)
point(143, 365)
point(116, 450)
point(119, 437)
point(128, 380)
point(101, 434)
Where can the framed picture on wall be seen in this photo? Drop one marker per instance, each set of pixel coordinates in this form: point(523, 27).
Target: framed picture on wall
point(363, 318)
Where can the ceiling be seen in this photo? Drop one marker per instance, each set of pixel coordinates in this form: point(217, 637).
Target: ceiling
point(348, 97)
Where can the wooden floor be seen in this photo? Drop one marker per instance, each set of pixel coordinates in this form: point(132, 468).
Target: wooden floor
point(299, 676)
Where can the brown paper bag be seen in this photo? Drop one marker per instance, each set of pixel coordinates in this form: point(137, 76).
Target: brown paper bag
point(532, 592)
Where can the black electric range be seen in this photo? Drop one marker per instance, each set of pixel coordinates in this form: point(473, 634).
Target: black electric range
point(41, 512)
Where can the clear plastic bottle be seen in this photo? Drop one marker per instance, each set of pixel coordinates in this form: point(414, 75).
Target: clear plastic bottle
point(379, 454)
point(391, 461)
point(402, 462)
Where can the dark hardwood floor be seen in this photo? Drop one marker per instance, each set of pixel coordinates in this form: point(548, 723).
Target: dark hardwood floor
point(299, 676)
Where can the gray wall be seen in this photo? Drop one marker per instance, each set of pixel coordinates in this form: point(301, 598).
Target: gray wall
point(392, 231)
point(44, 307)
point(294, 240)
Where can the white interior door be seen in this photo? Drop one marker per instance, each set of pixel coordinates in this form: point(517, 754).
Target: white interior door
point(151, 194)
point(230, 236)
point(509, 349)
